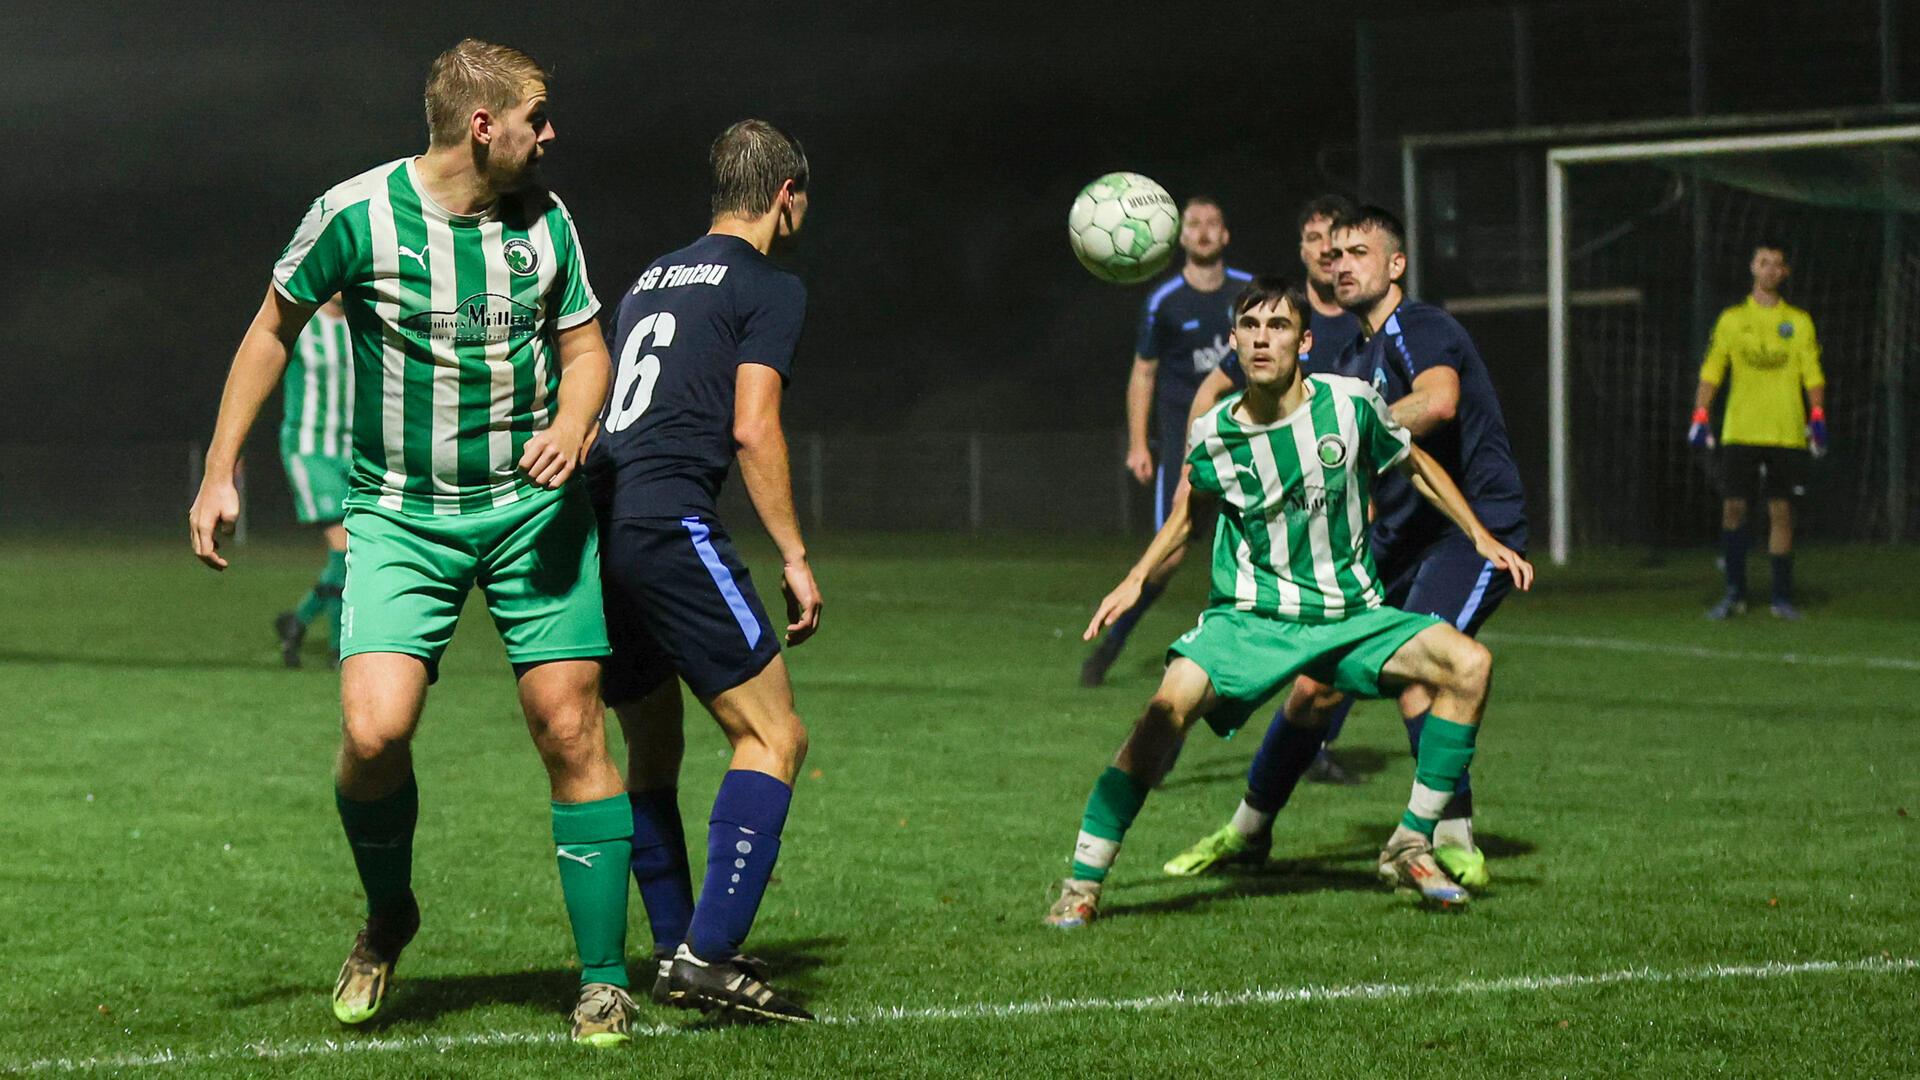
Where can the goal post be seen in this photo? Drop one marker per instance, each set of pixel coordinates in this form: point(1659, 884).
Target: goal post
point(1824, 188)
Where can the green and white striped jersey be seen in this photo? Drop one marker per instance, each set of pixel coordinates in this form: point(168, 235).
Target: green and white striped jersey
point(317, 391)
point(452, 322)
point(1292, 538)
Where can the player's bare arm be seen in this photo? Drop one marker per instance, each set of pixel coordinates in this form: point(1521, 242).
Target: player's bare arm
point(1439, 489)
point(1214, 387)
point(765, 469)
point(1432, 403)
point(1139, 404)
point(257, 366)
point(1171, 538)
point(554, 453)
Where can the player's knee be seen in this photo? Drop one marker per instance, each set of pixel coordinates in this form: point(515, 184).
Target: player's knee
point(366, 738)
point(1164, 710)
point(1472, 666)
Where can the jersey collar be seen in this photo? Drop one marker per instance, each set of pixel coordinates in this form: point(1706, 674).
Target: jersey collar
point(440, 213)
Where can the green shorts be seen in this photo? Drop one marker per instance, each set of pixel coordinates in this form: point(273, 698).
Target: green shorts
point(1249, 657)
point(537, 562)
point(319, 485)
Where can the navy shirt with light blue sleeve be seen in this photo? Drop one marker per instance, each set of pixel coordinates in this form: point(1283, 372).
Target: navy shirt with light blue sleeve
point(1473, 447)
point(678, 337)
point(1189, 333)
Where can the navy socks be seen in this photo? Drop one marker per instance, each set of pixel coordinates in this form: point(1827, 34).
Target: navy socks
point(743, 842)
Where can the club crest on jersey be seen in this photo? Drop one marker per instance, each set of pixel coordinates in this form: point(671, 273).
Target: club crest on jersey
point(1786, 330)
point(522, 258)
point(1332, 450)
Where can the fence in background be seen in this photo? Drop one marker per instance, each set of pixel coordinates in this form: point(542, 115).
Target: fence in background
point(1056, 481)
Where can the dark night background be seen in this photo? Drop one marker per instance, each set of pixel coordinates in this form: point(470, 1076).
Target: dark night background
point(162, 156)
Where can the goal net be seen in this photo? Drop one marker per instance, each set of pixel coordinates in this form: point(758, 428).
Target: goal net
point(1648, 242)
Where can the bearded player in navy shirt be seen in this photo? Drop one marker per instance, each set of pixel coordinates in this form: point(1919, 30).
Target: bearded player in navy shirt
point(703, 345)
point(1186, 327)
point(1426, 367)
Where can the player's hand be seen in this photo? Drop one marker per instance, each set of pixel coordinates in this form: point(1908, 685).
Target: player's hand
point(214, 512)
point(1817, 432)
point(803, 600)
point(1699, 432)
point(1505, 558)
point(1124, 596)
point(1140, 464)
point(553, 454)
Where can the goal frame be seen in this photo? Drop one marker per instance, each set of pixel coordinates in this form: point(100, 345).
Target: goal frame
point(1558, 160)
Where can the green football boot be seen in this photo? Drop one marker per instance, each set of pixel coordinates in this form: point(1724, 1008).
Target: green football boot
point(1222, 847)
point(1468, 866)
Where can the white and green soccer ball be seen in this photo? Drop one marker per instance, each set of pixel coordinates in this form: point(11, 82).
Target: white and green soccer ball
point(1123, 227)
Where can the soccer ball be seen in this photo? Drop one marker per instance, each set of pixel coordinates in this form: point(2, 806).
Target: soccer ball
point(1123, 227)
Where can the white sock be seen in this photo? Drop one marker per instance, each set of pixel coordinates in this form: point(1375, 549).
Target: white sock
point(1095, 853)
point(1456, 832)
point(1250, 823)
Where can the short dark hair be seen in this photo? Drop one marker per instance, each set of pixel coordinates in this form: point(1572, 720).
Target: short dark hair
point(1203, 200)
point(1329, 206)
point(751, 160)
point(1266, 288)
point(1376, 217)
point(1772, 243)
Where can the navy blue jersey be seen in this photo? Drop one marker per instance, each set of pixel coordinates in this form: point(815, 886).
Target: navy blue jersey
point(1473, 448)
point(681, 331)
point(1332, 336)
point(1189, 333)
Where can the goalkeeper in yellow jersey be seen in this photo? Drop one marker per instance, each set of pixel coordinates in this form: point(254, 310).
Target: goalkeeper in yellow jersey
point(1765, 351)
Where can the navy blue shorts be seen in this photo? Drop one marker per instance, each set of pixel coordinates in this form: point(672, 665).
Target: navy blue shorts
point(1448, 578)
point(1166, 481)
point(679, 602)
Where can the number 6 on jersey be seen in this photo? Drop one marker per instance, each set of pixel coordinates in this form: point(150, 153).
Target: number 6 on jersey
point(633, 386)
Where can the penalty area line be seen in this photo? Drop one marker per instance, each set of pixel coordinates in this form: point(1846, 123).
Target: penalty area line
point(1701, 652)
point(1513, 984)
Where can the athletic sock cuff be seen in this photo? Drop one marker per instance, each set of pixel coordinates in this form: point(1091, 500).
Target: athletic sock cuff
point(753, 801)
point(593, 822)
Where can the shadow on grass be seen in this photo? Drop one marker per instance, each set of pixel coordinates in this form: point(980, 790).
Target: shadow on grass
point(421, 1000)
point(1361, 763)
point(1347, 866)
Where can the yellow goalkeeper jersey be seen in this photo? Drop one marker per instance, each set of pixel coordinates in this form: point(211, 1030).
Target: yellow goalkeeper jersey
point(1772, 355)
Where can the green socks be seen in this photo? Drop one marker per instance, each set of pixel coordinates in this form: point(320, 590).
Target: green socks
point(381, 833)
point(324, 598)
point(1445, 750)
point(1115, 802)
point(593, 844)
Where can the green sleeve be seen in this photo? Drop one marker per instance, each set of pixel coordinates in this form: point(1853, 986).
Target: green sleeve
point(573, 300)
point(318, 260)
point(1202, 476)
point(1386, 441)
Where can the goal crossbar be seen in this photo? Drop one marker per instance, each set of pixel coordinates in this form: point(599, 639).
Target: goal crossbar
point(1559, 159)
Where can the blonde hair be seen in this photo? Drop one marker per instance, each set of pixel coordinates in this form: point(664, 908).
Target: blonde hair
point(750, 161)
point(475, 75)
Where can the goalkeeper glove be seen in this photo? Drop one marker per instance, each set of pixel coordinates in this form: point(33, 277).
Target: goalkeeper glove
point(1817, 432)
point(1699, 435)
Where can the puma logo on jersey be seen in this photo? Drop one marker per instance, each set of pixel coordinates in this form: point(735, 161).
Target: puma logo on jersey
point(417, 256)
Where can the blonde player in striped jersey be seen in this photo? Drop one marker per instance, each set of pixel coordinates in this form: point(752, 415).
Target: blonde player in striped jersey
point(479, 372)
point(1289, 464)
point(316, 429)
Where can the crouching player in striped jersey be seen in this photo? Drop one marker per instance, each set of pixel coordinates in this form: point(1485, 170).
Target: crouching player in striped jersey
point(316, 427)
point(1289, 464)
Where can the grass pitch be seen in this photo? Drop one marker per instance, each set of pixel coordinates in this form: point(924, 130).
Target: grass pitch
point(1703, 845)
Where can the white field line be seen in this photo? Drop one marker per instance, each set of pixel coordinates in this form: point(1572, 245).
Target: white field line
point(1525, 984)
point(1557, 641)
